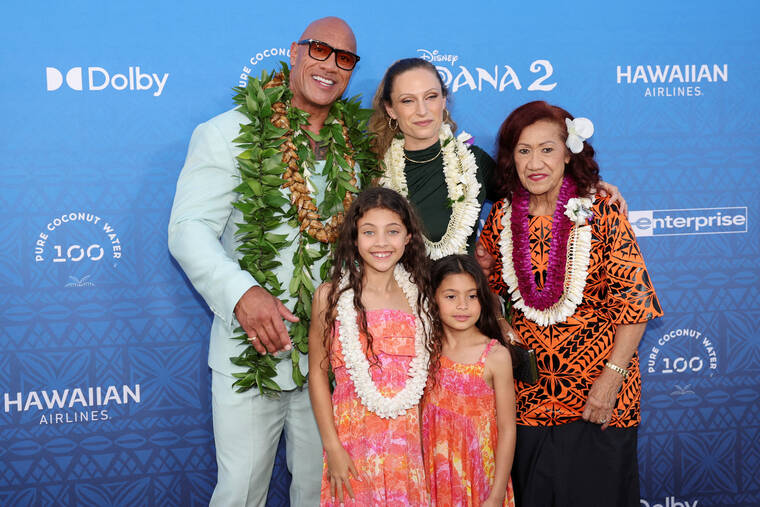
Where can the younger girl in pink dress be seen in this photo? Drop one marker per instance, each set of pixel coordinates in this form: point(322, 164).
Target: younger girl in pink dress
point(369, 323)
point(468, 416)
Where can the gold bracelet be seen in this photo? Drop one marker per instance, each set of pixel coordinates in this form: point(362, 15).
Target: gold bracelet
point(617, 369)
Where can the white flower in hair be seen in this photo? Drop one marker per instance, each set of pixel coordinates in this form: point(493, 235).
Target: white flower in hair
point(578, 130)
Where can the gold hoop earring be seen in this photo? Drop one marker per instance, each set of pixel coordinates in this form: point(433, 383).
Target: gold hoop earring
point(390, 125)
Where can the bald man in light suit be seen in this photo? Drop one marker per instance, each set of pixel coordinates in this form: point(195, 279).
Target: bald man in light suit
point(202, 237)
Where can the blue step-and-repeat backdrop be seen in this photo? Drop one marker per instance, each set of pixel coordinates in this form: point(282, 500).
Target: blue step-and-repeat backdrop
point(104, 387)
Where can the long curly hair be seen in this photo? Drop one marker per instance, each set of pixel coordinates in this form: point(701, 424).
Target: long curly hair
point(487, 323)
point(582, 167)
point(378, 122)
point(347, 261)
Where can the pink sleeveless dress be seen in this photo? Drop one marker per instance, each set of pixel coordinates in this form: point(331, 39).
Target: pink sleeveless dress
point(387, 453)
point(459, 434)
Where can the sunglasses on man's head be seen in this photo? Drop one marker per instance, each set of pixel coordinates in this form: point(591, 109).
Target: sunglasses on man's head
point(321, 51)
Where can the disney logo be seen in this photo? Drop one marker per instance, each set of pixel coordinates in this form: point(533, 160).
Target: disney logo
point(436, 56)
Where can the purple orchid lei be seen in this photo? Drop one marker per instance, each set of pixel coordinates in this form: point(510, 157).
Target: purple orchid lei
point(555, 273)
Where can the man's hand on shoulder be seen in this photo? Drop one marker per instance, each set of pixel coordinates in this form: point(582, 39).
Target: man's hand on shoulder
point(260, 314)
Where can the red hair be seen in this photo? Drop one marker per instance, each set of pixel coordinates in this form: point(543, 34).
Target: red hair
point(582, 167)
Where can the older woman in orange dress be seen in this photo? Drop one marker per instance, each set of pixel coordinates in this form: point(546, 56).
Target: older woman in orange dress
point(581, 296)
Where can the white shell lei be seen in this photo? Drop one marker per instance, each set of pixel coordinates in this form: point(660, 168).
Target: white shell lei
point(358, 366)
point(460, 174)
point(576, 269)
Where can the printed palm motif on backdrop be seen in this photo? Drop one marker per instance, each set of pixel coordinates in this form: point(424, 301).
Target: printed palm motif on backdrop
point(571, 354)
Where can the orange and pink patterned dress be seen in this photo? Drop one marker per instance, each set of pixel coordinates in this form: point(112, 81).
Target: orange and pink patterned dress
point(387, 453)
point(459, 434)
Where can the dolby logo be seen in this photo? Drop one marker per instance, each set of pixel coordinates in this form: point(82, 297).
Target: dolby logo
point(98, 78)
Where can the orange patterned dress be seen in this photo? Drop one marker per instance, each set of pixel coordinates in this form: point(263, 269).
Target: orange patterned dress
point(571, 354)
point(387, 453)
point(459, 435)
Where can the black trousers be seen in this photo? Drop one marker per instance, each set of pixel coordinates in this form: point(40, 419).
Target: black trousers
point(576, 465)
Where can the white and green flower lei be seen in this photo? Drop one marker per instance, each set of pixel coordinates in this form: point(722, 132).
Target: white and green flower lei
point(460, 173)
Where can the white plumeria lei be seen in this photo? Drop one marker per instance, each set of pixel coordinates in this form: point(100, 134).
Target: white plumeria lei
point(576, 270)
point(460, 174)
point(358, 366)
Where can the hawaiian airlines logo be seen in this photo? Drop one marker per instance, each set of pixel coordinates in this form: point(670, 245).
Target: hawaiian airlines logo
point(680, 222)
point(97, 79)
point(282, 54)
point(672, 80)
point(72, 405)
point(537, 77)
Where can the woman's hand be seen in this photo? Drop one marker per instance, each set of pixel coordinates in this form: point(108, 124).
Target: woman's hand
point(509, 333)
point(616, 197)
point(601, 398)
point(485, 261)
point(340, 467)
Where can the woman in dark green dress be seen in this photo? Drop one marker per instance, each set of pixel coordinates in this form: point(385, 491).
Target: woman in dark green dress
point(443, 176)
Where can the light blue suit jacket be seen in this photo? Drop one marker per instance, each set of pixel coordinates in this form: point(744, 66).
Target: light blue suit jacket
point(202, 236)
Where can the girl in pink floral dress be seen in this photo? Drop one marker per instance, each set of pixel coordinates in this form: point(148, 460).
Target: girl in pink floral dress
point(369, 324)
point(468, 417)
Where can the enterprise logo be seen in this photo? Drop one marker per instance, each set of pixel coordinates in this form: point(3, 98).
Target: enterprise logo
point(681, 222)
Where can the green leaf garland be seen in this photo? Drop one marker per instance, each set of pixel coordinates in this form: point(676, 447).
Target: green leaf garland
point(265, 205)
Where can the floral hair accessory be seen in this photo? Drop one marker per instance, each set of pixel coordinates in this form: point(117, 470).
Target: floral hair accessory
point(578, 210)
point(578, 130)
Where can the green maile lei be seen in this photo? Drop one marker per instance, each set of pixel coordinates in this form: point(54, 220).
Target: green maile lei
point(265, 205)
